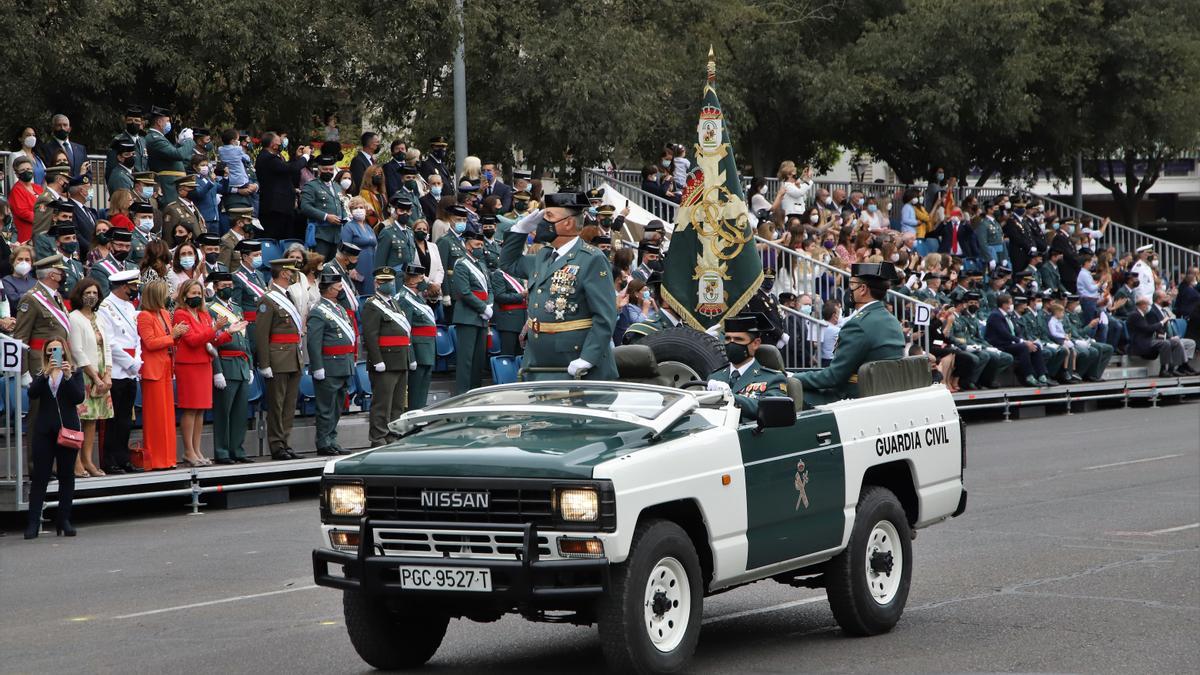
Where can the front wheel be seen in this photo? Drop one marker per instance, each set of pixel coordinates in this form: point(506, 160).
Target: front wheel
point(867, 584)
point(650, 618)
point(389, 640)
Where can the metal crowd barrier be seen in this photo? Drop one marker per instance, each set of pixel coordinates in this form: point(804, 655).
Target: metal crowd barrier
point(803, 349)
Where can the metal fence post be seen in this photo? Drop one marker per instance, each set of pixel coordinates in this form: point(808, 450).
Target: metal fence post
point(196, 491)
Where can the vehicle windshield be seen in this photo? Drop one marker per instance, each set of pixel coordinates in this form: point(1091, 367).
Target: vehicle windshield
point(644, 402)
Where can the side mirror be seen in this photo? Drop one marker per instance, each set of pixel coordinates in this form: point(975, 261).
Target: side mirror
point(775, 411)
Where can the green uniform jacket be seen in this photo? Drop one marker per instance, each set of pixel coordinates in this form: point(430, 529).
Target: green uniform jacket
point(106, 267)
point(491, 253)
point(349, 297)
point(870, 334)
point(180, 212)
point(74, 273)
point(318, 200)
point(245, 297)
point(417, 212)
point(163, 155)
point(1049, 278)
point(928, 296)
point(574, 286)
point(137, 247)
point(468, 307)
point(395, 247)
point(757, 382)
point(139, 155)
point(43, 246)
point(119, 179)
point(966, 326)
point(229, 256)
point(377, 323)
point(1126, 309)
point(450, 249)
point(420, 315)
point(323, 330)
point(510, 320)
point(234, 368)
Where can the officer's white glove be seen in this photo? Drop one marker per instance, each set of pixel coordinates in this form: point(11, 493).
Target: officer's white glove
point(26, 380)
point(992, 264)
point(487, 313)
point(528, 223)
point(185, 135)
point(445, 301)
point(783, 340)
point(1032, 250)
point(137, 365)
point(210, 349)
point(714, 330)
point(574, 367)
point(993, 350)
point(251, 380)
point(412, 365)
point(318, 374)
point(219, 381)
point(379, 367)
point(266, 372)
point(717, 385)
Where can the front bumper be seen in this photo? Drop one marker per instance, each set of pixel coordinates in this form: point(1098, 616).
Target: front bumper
point(523, 580)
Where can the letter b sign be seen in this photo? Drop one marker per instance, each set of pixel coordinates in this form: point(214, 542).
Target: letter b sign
point(10, 356)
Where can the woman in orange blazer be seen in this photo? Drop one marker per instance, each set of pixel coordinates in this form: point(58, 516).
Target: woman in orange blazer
point(193, 365)
point(158, 352)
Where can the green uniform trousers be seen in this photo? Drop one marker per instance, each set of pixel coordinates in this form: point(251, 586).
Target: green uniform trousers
point(282, 392)
point(387, 401)
point(510, 343)
point(418, 387)
point(230, 406)
point(330, 397)
point(471, 354)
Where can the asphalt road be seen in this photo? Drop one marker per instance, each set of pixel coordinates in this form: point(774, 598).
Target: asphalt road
point(1079, 553)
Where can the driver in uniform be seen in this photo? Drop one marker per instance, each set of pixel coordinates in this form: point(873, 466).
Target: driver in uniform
point(748, 379)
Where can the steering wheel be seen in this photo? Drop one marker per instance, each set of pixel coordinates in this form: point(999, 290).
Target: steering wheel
point(693, 384)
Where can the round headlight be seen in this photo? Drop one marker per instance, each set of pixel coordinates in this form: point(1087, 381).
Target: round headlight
point(347, 500)
point(579, 504)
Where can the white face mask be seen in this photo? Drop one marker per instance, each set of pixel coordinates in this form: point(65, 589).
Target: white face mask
point(1154, 263)
point(30, 142)
point(204, 170)
point(762, 190)
point(22, 268)
point(895, 257)
point(814, 218)
point(345, 183)
point(915, 201)
point(806, 309)
point(359, 214)
point(1007, 205)
point(1037, 306)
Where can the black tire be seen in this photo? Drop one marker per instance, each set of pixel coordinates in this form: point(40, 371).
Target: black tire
point(624, 632)
point(388, 640)
point(699, 351)
point(848, 584)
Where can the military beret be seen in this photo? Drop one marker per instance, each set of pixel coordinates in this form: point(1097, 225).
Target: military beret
point(124, 277)
point(413, 270)
point(123, 145)
point(384, 272)
point(348, 248)
point(119, 234)
point(488, 219)
point(49, 262)
point(141, 207)
point(576, 201)
point(209, 239)
point(62, 230)
point(248, 246)
point(748, 322)
point(400, 200)
point(218, 276)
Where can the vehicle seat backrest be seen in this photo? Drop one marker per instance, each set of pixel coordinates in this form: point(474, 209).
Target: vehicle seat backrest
point(885, 377)
point(769, 356)
point(636, 363)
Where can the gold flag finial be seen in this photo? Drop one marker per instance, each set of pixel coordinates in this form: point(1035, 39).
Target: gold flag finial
point(712, 65)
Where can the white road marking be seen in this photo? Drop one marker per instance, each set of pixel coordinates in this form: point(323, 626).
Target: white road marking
point(1155, 533)
point(762, 610)
point(1132, 461)
point(208, 603)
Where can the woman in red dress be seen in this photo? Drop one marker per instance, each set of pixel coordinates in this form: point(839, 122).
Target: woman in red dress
point(158, 401)
point(193, 364)
point(22, 197)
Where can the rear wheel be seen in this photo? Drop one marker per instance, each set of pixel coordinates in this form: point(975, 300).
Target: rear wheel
point(867, 584)
point(390, 640)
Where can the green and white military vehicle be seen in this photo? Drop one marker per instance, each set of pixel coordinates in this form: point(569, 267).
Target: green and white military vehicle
point(625, 504)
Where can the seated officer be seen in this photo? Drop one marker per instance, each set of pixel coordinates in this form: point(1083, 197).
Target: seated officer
point(871, 333)
point(748, 379)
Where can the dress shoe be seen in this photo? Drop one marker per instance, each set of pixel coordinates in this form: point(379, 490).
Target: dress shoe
point(343, 451)
point(1042, 380)
point(129, 468)
point(32, 531)
point(113, 470)
point(281, 456)
point(292, 454)
point(226, 460)
point(1093, 379)
point(1167, 372)
point(1185, 369)
point(327, 452)
point(969, 387)
point(243, 460)
point(1031, 381)
point(65, 530)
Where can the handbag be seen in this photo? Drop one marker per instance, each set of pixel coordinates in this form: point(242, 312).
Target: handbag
point(67, 438)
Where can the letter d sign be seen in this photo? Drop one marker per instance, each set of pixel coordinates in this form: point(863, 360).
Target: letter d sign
point(921, 316)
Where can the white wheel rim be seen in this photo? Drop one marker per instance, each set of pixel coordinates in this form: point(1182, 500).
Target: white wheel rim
point(667, 605)
point(884, 540)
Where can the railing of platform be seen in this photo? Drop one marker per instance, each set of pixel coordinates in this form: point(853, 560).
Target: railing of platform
point(99, 199)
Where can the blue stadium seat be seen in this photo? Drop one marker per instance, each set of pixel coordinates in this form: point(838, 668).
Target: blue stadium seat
point(285, 243)
point(1180, 326)
point(504, 369)
point(493, 343)
point(271, 250)
point(443, 349)
point(363, 388)
point(306, 403)
point(256, 398)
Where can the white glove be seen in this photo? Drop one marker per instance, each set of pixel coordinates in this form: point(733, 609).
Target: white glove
point(210, 349)
point(412, 365)
point(574, 367)
point(528, 223)
point(992, 264)
point(185, 135)
point(251, 381)
point(783, 341)
point(717, 385)
point(379, 367)
point(487, 313)
point(266, 372)
point(445, 301)
point(137, 365)
point(26, 380)
point(219, 381)
point(318, 374)
point(714, 330)
point(1032, 250)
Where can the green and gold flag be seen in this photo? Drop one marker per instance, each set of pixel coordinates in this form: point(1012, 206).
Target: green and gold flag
point(712, 268)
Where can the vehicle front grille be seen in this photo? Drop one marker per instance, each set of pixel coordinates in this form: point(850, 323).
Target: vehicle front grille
point(456, 543)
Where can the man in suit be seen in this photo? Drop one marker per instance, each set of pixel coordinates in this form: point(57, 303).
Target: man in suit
point(956, 237)
point(745, 377)
point(391, 169)
point(320, 204)
point(232, 376)
point(278, 327)
point(429, 200)
point(1148, 339)
point(493, 186)
point(165, 158)
point(120, 170)
point(332, 345)
point(132, 134)
point(364, 158)
point(871, 333)
point(423, 334)
point(435, 162)
point(473, 309)
point(79, 191)
point(1001, 332)
point(277, 180)
point(60, 129)
point(1019, 241)
point(386, 335)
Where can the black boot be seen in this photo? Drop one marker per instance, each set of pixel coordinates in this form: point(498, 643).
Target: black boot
point(65, 529)
point(33, 529)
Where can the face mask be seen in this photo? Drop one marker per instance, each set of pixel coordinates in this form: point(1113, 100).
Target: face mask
point(436, 191)
point(69, 247)
point(520, 207)
point(187, 262)
point(736, 353)
point(806, 309)
point(1007, 205)
point(194, 303)
point(103, 238)
point(895, 257)
point(1055, 226)
point(861, 201)
point(871, 208)
point(420, 235)
point(386, 289)
point(359, 214)
point(666, 163)
point(1077, 310)
point(592, 211)
point(167, 129)
point(284, 143)
point(256, 261)
point(133, 294)
point(120, 255)
point(814, 218)
point(377, 180)
point(26, 176)
point(546, 231)
point(941, 176)
point(128, 162)
point(762, 190)
point(204, 170)
point(439, 154)
point(1019, 212)
point(22, 268)
point(61, 134)
point(30, 142)
point(489, 232)
point(345, 183)
point(225, 293)
point(646, 294)
point(133, 129)
point(460, 226)
point(410, 185)
point(829, 201)
point(657, 266)
point(146, 224)
point(147, 192)
point(971, 309)
point(1037, 306)
point(827, 244)
point(915, 201)
point(327, 177)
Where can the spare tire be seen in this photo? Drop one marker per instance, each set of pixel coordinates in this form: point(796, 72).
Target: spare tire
point(694, 350)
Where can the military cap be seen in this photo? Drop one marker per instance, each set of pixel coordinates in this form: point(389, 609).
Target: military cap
point(601, 239)
point(467, 186)
point(654, 226)
point(1083, 250)
point(332, 149)
point(1020, 299)
point(1143, 249)
point(240, 211)
point(655, 278)
point(438, 141)
point(119, 234)
point(787, 297)
point(521, 174)
point(145, 177)
point(327, 160)
point(958, 295)
point(188, 181)
point(326, 279)
point(209, 239)
point(1037, 252)
point(124, 277)
point(248, 246)
point(606, 209)
point(156, 112)
point(647, 247)
point(62, 230)
point(1003, 271)
point(748, 322)
point(58, 170)
point(522, 196)
point(768, 272)
point(488, 219)
point(1024, 274)
point(384, 272)
point(218, 276)
point(1051, 294)
point(122, 145)
point(141, 207)
point(400, 200)
point(472, 234)
point(349, 249)
point(972, 273)
point(62, 206)
point(413, 270)
point(576, 201)
point(200, 132)
point(285, 264)
point(458, 210)
point(1018, 203)
point(595, 193)
point(134, 111)
point(884, 271)
point(55, 261)
point(408, 170)
point(972, 295)
point(76, 181)
point(936, 275)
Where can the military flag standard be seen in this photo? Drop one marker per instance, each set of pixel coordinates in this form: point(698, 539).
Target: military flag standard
point(712, 268)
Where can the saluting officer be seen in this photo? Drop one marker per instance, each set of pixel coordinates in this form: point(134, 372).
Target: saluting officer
point(116, 261)
point(395, 247)
point(330, 338)
point(277, 330)
point(182, 212)
point(745, 376)
point(472, 310)
point(232, 375)
point(511, 310)
point(249, 283)
point(320, 204)
point(572, 307)
point(386, 335)
point(423, 335)
point(41, 314)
